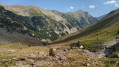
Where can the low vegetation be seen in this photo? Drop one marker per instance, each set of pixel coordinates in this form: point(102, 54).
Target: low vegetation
point(115, 48)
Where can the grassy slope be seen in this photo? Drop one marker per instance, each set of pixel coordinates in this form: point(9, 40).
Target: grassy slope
point(99, 32)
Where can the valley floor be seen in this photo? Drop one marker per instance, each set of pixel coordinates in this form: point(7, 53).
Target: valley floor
point(22, 55)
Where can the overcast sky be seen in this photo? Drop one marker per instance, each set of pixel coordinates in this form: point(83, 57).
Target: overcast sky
point(94, 7)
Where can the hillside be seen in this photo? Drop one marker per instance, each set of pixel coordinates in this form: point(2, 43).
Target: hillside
point(103, 31)
point(47, 24)
point(99, 18)
point(83, 17)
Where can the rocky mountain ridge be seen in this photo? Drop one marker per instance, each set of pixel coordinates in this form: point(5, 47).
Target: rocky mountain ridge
point(42, 23)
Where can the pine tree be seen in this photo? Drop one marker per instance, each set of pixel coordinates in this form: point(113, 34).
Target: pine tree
point(51, 52)
point(71, 46)
point(78, 44)
point(29, 45)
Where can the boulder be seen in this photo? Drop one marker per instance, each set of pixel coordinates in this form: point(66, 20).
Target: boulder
point(86, 64)
point(65, 50)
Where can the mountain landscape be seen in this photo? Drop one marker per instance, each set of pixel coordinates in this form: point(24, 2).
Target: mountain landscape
point(103, 30)
point(34, 37)
point(46, 24)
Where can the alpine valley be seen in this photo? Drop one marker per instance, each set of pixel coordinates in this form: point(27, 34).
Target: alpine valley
point(34, 37)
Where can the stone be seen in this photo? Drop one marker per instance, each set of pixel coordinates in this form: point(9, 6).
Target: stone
point(30, 60)
point(58, 62)
point(42, 63)
point(22, 59)
point(88, 59)
point(63, 58)
point(86, 64)
point(65, 50)
point(19, 64)
point(14, 58)
point(32, 34)
point(42, 54)
point(79, 50)
point(11, 50)
point(57, 56)
point(65, 63)
point(54, 49)
point(74, 61)
point(32, 55)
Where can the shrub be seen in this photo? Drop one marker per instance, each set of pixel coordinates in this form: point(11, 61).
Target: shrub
point(51, 52)
point(110, 63)
point(29, 45)
point(115, 48)
point(117, 32)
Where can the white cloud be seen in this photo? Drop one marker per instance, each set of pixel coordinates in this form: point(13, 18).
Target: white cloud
point(112, 2)
point(70, 8)
point(91, 6)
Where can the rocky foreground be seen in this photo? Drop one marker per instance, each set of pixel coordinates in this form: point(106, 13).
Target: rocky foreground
point(24, 56)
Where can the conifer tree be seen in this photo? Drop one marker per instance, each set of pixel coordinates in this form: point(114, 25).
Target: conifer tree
point(78, 44)
point(51, 52)
point(71, 46)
